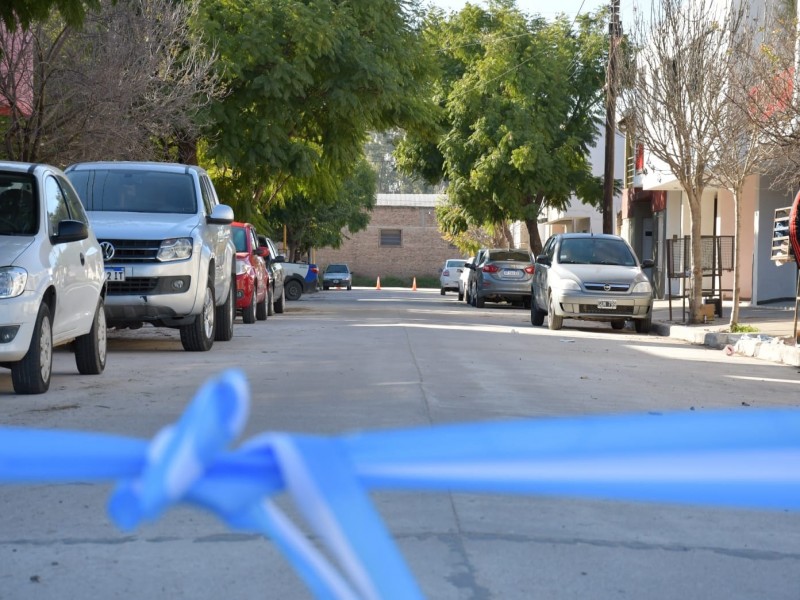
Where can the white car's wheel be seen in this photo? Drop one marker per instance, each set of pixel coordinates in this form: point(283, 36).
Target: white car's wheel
point(31, 375)
point(199, 335)
point(91, 348)
point(554, 321)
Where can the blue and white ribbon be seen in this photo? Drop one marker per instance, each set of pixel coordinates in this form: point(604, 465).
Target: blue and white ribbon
point(743, 458)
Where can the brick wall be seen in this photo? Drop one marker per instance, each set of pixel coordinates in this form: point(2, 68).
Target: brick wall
point(422, 253)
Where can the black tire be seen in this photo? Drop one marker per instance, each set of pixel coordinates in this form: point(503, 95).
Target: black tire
point(441, 291)
point(472, 296)
point(270, 303)
point(480, 302)
point(324, 287)
point(293, 290)
point(467, 296)
point(349, 287)
point(643, 325)
point(261, 309)
point(537, 316)
point(31, 375)
point(91, 348)
point(249, 311)
point(280, 306)
point(554, 321)
point(226, 315)
point(460, 295)
point(199, 335)
point(618, 324)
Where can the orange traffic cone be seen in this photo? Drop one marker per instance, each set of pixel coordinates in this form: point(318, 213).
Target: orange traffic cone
point(378, 285)
point(414, 285)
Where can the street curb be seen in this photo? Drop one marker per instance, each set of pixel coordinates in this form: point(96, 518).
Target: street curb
point(761, 347)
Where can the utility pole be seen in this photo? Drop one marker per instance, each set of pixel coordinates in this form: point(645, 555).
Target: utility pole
point(614, 31)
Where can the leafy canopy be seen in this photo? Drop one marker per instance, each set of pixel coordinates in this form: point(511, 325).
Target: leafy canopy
point(520, 104)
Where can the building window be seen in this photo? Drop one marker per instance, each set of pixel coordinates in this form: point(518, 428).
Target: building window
point(391, 237)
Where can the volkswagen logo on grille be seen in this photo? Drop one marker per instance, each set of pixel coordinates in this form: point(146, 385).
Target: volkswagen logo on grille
point(108, 250)
point(606, 286)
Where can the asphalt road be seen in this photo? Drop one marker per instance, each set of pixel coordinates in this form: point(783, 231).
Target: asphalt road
point(367, 359)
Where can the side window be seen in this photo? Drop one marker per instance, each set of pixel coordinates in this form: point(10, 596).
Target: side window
point(209, 201)
point(56, 202)
point(253, 238)
point(73, 202)
point(550, 248)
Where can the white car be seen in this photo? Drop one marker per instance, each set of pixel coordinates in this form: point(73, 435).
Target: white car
point(52, 281)
point(450, 274)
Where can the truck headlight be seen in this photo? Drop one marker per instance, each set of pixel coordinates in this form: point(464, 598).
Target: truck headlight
point(12, 281)
point(175, 249)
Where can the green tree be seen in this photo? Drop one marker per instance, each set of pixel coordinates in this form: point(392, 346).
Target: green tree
point(313, 222)
point(307, 80)
point(24, 13)
point(521, 102)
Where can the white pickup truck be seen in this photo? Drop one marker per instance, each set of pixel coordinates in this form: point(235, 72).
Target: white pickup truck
point(298, 278)
point(166, 242)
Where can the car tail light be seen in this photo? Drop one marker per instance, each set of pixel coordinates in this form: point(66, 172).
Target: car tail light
point(446, 273)
point(314, 269)
point(491, 269)
point(530, 269)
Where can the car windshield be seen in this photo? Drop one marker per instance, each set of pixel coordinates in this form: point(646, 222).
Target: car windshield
point(239, 238)
point(337, 269)
point(18, 208)
point(118, 190)
point(595, 251)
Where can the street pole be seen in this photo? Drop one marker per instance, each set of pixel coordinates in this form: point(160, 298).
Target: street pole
point(611, 117)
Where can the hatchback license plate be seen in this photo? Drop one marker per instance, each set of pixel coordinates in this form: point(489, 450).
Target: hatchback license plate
point(115, 273)
point(606, 304)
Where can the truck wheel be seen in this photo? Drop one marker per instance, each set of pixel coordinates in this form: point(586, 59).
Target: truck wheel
point(31, 375)
point(293, 290)
point(226, 315)
point(90, 348)
point(249, 311)
point(281, 304)
point(199, 335)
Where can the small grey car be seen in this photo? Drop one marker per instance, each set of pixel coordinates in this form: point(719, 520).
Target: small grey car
point(501, 274)
point(592, 277)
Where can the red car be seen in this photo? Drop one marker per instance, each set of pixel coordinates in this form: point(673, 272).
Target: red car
point(252, 277)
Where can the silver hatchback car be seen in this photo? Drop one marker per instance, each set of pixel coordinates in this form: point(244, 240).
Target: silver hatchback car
point(501, 275)
point(591, 277)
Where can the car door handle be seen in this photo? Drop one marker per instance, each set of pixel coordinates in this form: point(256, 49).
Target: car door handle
point(83, 260)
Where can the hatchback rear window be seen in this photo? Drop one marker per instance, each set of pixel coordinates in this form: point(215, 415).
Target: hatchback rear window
point(118, 190)
point(514, 255)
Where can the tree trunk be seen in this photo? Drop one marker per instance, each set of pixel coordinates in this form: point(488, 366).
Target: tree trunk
point(696, 297)
point(533, 234)
point(737, 234)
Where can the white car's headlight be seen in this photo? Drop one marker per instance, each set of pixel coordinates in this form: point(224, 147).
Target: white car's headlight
point(12, 281)
point(643, 287)
point(569, 285)
point(175, 249)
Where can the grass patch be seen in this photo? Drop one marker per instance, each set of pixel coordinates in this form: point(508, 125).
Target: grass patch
point(739, 328)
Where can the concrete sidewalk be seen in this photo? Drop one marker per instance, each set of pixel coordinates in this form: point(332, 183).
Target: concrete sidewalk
point(773, 341)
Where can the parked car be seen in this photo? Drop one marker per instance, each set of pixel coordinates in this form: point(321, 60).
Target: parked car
point(167, 247)
point(277, 275)
point(450, 274)
point(252, 277)
point(502, 275)
point(337, 275)
point(298, 277)
point(591, 277)
point(52, 282)
point(463, 280)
